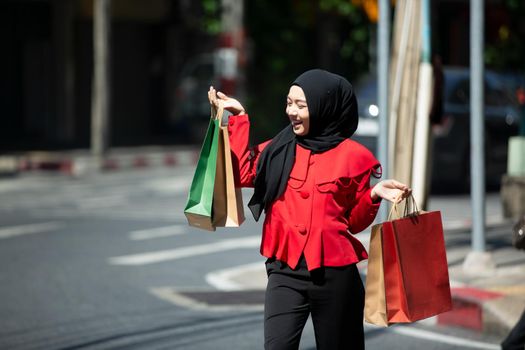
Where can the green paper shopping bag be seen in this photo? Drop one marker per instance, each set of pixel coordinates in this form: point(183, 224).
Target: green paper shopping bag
point(199, 207)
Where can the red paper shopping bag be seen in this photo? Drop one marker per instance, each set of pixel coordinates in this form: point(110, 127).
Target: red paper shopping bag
point(415, 268)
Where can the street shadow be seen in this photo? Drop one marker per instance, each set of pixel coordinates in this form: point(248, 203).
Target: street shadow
point(513, 262)
point(199, 330)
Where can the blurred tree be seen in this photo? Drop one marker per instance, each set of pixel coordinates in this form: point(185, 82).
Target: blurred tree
point(211, 20)
point(291, 36)
point(288, 37)
point(508, 51)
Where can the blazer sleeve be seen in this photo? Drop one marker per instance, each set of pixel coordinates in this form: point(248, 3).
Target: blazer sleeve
point(244, 157)
point(365, 210)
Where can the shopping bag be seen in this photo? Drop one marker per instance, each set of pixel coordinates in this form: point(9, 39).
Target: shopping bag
point(227, 199)
point(199, 206)
point(219, 212)
point(407, 277)
point(415, 267)
point(375, 303)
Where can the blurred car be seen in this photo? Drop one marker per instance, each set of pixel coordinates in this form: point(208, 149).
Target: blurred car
point(191, 110)
point(451, 138)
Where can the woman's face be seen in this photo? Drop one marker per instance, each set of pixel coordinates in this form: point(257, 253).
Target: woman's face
point(297, 111)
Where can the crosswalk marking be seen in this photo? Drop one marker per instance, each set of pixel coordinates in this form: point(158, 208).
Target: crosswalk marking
point(157, 232)
point(19, 230)
point(225, 279)
point(442, 338)
point(105, 201)
point(173, 254)
point(171, 186)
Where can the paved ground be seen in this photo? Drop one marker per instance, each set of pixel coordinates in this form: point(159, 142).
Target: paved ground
point(491, 301)
point(108, 262)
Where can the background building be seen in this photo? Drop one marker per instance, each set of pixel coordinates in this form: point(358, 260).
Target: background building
point(164, 57)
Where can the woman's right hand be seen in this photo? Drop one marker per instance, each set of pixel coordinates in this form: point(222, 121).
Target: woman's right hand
point(230, 104)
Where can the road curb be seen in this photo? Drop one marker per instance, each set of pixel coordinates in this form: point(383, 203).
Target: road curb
point(474, 308)
point(468, 309)
point(80, 162)
point(8, 166)
point(483, 311)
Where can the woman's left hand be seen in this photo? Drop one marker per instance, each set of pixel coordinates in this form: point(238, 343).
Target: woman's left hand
point(230, 104)
point(390, 190)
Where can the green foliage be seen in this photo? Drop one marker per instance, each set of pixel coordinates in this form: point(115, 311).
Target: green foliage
point(211, 20)
point(515, 5)
point(506, 54)
point(291, 36)
point(343, 8)
point(508, 51)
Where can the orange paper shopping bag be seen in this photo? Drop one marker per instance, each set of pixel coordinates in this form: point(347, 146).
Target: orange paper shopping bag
point(375, 303)
point(228, 208)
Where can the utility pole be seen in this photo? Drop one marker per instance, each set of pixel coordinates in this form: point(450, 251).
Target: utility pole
point(101, 86)
point(63, 25)
point(230, 55)
point(383, 55)
point(478, 261)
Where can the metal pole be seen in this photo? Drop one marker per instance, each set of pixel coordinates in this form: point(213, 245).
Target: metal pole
point(477, 142)
point(383, 55)
point(101, 79)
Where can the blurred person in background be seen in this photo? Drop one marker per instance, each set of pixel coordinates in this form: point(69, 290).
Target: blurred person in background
point(436, 110)
point(313, 183)
point(515, 340)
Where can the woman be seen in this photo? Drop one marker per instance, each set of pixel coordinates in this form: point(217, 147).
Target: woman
point(313, 182)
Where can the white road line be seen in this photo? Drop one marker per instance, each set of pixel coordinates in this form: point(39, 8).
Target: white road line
point(442, 338)
point(115, 213)
point(20, 185)
point(101, 202)
point(170, 186)
point(225, 279)
point(19, 230)
point(157, 232)
point(173, 254)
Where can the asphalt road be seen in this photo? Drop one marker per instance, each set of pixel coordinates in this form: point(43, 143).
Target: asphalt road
point(108, 262)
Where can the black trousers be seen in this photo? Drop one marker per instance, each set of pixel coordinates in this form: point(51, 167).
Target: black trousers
point(516, 338)
point(334, 296)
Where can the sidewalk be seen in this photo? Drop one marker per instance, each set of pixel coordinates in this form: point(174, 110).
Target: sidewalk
point(491, 303)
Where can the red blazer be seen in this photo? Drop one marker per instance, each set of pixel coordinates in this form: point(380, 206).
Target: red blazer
point(326, 201)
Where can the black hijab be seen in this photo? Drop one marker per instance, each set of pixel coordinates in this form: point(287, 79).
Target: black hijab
point(332, 107)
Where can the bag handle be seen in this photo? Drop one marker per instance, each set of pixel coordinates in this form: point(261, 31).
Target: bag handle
point(216, 113)
point(410, 207)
